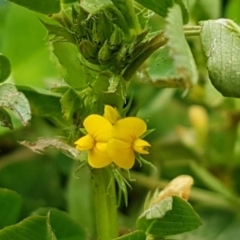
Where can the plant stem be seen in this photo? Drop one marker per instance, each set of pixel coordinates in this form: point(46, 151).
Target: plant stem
point(105, 204)
point(192, 30)
point(155, 43)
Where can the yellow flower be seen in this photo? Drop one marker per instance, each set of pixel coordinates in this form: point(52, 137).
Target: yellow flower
point(125, 140)
point(99, 131)
point(112, 140)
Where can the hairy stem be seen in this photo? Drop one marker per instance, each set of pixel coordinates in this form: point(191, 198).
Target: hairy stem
point(105, 204)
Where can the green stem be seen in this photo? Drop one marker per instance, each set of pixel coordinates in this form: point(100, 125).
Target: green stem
point(155, 43)
point(105, 204)
point(192, 30)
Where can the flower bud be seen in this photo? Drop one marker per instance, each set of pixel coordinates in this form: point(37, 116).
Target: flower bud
point(104, 54)
point(115, 39)
point(88, 50)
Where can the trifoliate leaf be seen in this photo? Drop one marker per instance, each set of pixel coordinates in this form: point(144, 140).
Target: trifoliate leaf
point(221, 45)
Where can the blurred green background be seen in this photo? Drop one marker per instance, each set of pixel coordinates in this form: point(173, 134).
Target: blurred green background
point(196, 133)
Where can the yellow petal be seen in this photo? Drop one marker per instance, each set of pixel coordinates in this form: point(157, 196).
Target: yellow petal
point(140, 146)
point(129, 129)
point(111, 114)
point(85, 143)
point(98, 157)
point(121, 153)
point(98, 127)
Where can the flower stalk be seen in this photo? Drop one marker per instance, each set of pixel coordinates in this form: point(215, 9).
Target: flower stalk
point(105, 203)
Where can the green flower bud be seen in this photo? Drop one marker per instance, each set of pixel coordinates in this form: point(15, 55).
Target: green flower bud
point(88, 51)
point(104, 54)
point(115, 39)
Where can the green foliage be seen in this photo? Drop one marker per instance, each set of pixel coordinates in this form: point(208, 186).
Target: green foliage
point(169, 216)
point(178, 48)
point(45, 6)
point(119, 53)
point(30, 228)
point(161, 8)
point(12, 203)
point(65, 228)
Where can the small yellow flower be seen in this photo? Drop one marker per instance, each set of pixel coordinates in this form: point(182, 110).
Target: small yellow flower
point(99, 131)
point(112, 140)
point(125, 140)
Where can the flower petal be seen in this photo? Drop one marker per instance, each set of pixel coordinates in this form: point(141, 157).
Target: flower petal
point(140, 146)
point(128, 129)
point(98, 156)
point(121, 153)
point(98, 127)
point(111, 114)
point(85, 143)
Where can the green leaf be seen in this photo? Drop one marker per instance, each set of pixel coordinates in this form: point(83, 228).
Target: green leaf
point(59, 33)
point(161, 7)
point(44, 104)
point(30, 47)
point(179, 49)
point(68, 61)
point(220, 41)
point(218, 224)
point(127, 9)
point(162, 72)
point(35, 178)
point(11, 203)
point(170, 216)
point(136, 235)
point(44, 143)
point(70, 102)
point(79, 198)
point(5, 68)
point(5, 119)
point(41, 6)
point(16, 101)
point(37, 228)
point(65, 228)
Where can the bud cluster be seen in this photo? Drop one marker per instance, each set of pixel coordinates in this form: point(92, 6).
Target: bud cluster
point(103, 41)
